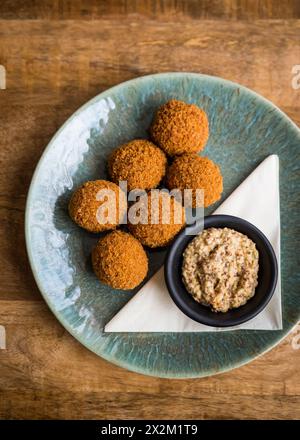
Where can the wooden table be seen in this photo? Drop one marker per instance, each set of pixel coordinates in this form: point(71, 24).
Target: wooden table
point(58, 55)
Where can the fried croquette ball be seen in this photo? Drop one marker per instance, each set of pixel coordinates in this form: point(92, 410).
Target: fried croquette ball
point(119, 260)
point(160, 218)
point(180, 128)
point(138, 162)
point(190, 171)
point(97, 205)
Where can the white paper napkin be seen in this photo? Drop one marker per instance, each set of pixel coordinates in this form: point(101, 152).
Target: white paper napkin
point(152, 309)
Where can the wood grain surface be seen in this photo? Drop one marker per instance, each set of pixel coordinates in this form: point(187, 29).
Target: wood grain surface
point(57, 55)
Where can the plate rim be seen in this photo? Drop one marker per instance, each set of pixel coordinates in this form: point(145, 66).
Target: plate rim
point(102, 95)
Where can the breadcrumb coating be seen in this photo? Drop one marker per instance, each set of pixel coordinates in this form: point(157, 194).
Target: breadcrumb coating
point(168, 215)
point(190, 171)
point(141, 163)
point(83, 205)
point(120, 261)
point(180, 128)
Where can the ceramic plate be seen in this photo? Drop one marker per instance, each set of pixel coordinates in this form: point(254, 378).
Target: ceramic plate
point(244, 129)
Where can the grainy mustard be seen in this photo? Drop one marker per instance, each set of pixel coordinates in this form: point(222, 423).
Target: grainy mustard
point(220, 268)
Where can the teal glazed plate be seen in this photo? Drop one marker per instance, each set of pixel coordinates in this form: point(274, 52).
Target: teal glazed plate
point(244, 129)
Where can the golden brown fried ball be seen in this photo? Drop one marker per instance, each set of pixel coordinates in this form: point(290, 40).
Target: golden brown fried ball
point(120, 261)
point(180, 128)
point(140, 163)
point(83, 206)
point(164, 216)
point(190, 171)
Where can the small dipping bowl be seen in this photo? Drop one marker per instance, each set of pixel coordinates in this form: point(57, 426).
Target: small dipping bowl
point(267, 274)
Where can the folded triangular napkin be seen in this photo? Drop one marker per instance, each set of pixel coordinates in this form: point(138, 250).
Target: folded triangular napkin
point(152, 309)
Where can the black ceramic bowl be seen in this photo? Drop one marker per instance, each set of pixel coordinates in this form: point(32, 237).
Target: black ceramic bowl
point(267, 275)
